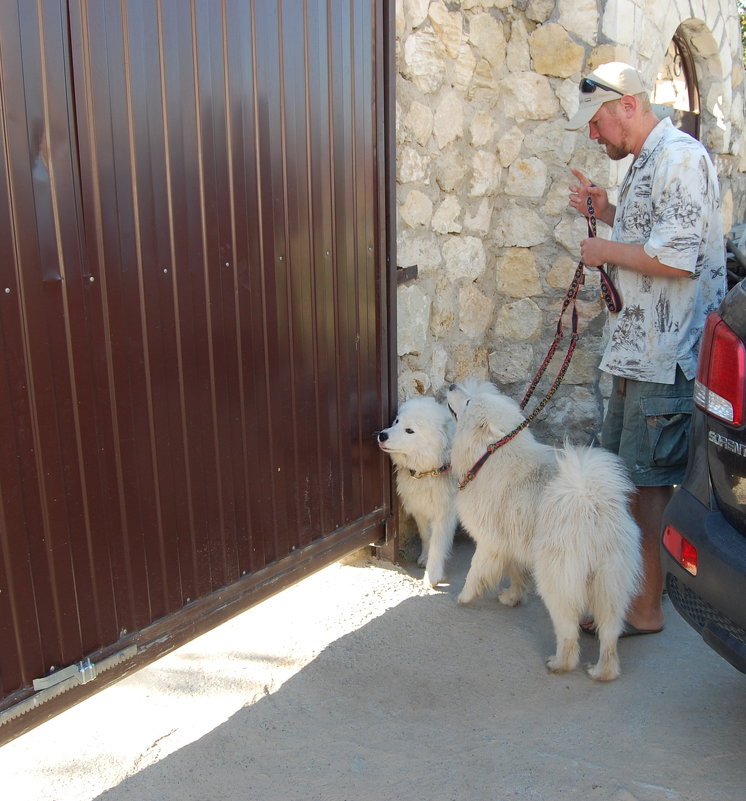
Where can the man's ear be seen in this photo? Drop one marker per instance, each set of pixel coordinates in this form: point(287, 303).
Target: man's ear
point(630, 104)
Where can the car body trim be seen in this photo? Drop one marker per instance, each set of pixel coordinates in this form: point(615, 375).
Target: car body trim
point(726, 443)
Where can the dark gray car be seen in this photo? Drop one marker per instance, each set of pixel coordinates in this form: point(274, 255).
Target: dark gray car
point(704, 525)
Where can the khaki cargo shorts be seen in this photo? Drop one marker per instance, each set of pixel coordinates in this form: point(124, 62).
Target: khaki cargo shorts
point(647, 425)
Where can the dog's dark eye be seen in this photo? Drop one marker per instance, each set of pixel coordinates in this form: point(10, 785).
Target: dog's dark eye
point(409, 431)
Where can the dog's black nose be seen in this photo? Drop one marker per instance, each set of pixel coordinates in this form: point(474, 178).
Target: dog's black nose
point(452, 387)
point(382, 436)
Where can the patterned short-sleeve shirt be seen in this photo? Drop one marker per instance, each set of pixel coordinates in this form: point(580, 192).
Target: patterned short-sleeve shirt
point(669, 202)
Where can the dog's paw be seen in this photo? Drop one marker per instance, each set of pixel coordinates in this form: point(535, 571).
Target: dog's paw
point(600, 672)
point(432, 579)
point(465, 597)
point(511, 596)
point(555, 665)
point(422, 559)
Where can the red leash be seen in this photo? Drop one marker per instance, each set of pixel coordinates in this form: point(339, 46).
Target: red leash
point(611, 299)
point(608, 290)
point(613, 303)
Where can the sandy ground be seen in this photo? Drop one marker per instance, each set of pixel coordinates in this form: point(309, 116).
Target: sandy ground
point(360, 684)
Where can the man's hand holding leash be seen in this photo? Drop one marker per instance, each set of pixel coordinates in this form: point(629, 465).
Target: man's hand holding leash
point(593, 249)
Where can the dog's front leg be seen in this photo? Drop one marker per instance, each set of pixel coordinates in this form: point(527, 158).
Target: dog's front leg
point(441, 541)
point(423, 528)
point(519, 582)
point(485, 572)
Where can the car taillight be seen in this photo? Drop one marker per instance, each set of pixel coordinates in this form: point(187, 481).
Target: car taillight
point(721, 372)
point(681, 549)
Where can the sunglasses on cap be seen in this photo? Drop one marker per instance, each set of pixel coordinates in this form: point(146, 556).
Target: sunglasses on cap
point(588, 85)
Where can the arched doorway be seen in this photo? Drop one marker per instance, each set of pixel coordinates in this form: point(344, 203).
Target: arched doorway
point(676, 87)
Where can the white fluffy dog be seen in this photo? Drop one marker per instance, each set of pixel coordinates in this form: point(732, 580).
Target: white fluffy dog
point(561, 514)
point(419, 444)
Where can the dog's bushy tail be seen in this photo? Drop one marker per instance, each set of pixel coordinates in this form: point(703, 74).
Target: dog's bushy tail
point(585, 512)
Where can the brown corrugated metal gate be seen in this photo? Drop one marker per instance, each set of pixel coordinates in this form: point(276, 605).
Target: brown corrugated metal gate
point(194, 320)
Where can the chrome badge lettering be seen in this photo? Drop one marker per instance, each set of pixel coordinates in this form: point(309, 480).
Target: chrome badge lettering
point(727, 444)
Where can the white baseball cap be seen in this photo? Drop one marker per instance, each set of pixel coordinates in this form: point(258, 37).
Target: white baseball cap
point(607, 82)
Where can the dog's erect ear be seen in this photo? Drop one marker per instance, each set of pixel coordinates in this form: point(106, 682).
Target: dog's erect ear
point(483, 418)
point(448, 425)
point(457, 399)
point(496, 432)
point(444, 437)
point(453, 411)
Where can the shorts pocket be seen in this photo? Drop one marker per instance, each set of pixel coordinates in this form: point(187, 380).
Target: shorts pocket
point(667, 421)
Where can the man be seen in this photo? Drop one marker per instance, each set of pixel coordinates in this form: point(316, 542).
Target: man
point(666, 257)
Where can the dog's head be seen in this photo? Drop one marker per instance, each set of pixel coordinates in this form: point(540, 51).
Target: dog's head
point(459, 395)
point(420, 436)
point(484, 415)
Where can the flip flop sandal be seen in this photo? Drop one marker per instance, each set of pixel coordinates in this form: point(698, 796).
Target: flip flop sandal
point(628, 630)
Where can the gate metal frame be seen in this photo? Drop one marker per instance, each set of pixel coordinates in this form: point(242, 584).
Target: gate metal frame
point(95, 670)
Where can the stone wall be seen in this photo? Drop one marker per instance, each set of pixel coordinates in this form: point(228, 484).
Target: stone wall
point(484, 89)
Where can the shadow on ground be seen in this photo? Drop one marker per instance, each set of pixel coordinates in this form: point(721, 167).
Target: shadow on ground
point(432, 701)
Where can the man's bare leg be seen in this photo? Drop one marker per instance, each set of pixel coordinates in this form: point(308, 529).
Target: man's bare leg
point(645, 611)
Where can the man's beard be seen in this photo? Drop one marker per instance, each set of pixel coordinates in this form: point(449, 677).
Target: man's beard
point(616, 152)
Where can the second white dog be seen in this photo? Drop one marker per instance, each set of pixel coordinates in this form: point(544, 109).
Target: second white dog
point(561, 514)
point(419, 444)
